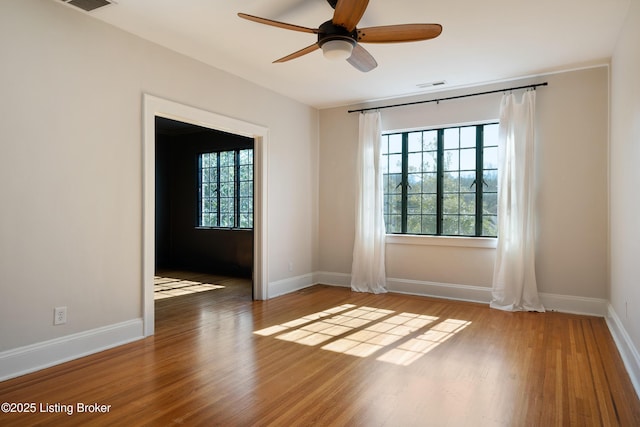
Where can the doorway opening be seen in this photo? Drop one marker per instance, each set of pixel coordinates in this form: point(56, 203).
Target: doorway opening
point(203, 210)
point(181, 116)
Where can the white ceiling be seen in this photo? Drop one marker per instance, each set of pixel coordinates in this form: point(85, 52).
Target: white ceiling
point(482, 41)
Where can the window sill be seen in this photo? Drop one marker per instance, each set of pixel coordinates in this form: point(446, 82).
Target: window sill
point(466, 242)
point(224, 229)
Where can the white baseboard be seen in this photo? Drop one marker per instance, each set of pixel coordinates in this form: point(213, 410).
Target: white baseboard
point(628, 351)
point(292, 284)
point(479, 294)
point(31, 358)
point(440, 290)
point(333, 279)
point(574, 305)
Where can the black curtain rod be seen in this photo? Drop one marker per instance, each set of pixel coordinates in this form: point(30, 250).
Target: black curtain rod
point(532, 86)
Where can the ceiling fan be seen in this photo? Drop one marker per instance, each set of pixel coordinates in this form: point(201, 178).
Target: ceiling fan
point(340, 39)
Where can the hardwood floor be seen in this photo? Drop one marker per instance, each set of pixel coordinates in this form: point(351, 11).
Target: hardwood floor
point(328, 357)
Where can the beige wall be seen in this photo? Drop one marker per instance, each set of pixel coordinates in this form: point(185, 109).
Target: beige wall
point(71, 166)
point(625, 179)
point(571, 154)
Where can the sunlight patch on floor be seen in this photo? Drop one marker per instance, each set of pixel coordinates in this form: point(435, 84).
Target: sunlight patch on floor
point(364, 331)
point(411, 350)
point(384, 333)
point(167, 287)
point(308, 319)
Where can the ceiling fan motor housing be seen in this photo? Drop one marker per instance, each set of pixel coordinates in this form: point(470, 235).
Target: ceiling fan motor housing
point(329, 31)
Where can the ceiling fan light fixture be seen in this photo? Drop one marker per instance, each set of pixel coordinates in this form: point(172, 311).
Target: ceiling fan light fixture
point(337, 49)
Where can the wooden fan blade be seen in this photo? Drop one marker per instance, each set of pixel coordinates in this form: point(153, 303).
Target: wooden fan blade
point(399, 33)
point(349, 12)
point(278, 24)
point(361, 59)
point(299, 53)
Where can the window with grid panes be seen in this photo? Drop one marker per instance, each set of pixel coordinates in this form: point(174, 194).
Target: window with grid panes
point(225, 189)
point(441, 182)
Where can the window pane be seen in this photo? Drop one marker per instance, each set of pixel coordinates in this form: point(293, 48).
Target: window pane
point(415, 141)
point(490, 204)
point(468, 137)
point(450, 225)
point(429, 183)
point(227, 158)
point(451, 138)
point(430, 140)
point(451, 182)
point(430, 161)
point(206, 205)
point(246, 173)
point(450, 203)
point(414, 162)
point(393, 224)
point(384, 144)
point(214, 173)
point(415, 183)
point(429, 204)
point(468, 204)
point(210, 220)
point(468, 159)
point(451, 160)
point(467, 181)
point(467, 225)
point(395, 205)
point(226, 205)
point(246, 220)
point(227, 174)
point(490, 160)
point(414, 203)
point(489, 225)
point(394, 183)
point(429, 224)
point(414, 224)
point(246, 157)
point(226, 189)
point(246, 189)
point(490, 178)
point(246, 205)
point(395, 143)
point(395, 163)
point(490, 135)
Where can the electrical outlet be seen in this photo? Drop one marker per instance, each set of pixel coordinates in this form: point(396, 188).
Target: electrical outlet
point(290, 265)
point(59, 315)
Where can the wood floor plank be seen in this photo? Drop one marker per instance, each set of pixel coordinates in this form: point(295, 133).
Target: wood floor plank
point(328, 356)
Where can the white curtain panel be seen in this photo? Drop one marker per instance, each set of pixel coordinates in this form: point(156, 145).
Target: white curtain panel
point(514, 277)
point(368, 271)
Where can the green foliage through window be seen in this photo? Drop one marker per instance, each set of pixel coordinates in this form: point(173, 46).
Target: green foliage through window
point(441, 181)
point(225, 189)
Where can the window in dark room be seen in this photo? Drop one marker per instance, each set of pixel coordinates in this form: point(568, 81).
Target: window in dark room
point(225, 189)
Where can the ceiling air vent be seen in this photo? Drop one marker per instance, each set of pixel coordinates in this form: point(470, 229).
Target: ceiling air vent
point(88, 5)
point(431, 84)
